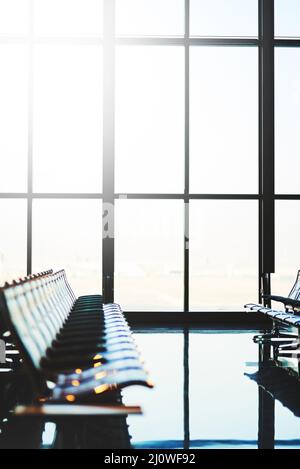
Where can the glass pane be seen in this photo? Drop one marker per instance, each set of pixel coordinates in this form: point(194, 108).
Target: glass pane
point(150, 119)
point(68, 119)
point(223, 254)
point(287, 254)
point(224, 120)
point(287, 120)
point(150, 17)
point(223, 401)
point(13, 239)
point(149, 255)
point(67, 234)
point(68, 17)
point(13, 118)
point(14, 17)
point(160, 423)
point(287, 14)
point(224, 18)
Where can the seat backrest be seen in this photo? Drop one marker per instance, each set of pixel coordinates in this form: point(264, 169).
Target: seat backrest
point(3, 324)
point(34, 310)
point(295, 291)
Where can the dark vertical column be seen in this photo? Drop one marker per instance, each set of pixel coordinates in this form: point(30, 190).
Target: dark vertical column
point(186, 390)
point(186, 371)
point(266, 151)
point(30, 141)
point(187, 156)
point(266, 406)
point(108, 149)
point(266, 420)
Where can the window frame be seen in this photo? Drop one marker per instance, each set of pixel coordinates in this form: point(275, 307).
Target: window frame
point(266, 44)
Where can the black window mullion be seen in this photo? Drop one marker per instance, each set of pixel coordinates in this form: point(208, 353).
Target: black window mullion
point(266, 119)
point(186, 367)
point(108, 149)
point(187, 157)
point(30, 141)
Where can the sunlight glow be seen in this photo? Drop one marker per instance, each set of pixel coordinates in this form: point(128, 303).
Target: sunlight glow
point(231, 18)
point(81, 18)
point(14, 18)
point(101, 389)
point(149, 254)
point(224, 120)
point(13, 117)
point(150, 17)
point(100, 375)
point(287, 120)
point(67, 131)
point(75, 383)
point(287, 246)
point(150, 119)
point(73, 230)
point(223, 254)
point(13, 239)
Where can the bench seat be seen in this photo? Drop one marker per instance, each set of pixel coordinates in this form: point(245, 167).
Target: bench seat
point(282, 316)
point(74, 349)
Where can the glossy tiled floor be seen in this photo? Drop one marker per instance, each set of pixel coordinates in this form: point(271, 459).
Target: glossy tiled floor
point(202, 397)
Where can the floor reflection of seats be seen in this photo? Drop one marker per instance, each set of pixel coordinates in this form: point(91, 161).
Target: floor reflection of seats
point(14, 389)
point(279, 370)
point(281, 384)
point(80, 433)
point(278, 379)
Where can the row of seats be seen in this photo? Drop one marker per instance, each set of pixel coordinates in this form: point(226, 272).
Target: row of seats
point(292, 301)
point(285, 317)
point(291, 305)
point(74, 349)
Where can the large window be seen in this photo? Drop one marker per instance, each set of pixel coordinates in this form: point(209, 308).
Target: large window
point(150, 119)
point(223, 257)
point(186, 130)
point(149, 254)
point(67, 118)
point(287, 245)
point(67, 234)
point(219, 18)
point(13, 117)
point(287, 18)
point(223, 120)
point(159, 114)
point(150, 18)
point(13, 239)
point(287, 93)
point(51, 119)
point(287, 126)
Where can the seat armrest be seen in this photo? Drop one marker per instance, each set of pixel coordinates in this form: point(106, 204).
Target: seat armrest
point(74, 410)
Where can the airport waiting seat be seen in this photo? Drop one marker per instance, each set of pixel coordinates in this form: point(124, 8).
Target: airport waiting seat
point(291, 313)
point(12, 355)
point(292, 301)
point(74, 350)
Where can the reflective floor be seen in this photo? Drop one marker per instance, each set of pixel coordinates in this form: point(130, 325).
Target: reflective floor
point(204, 397)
